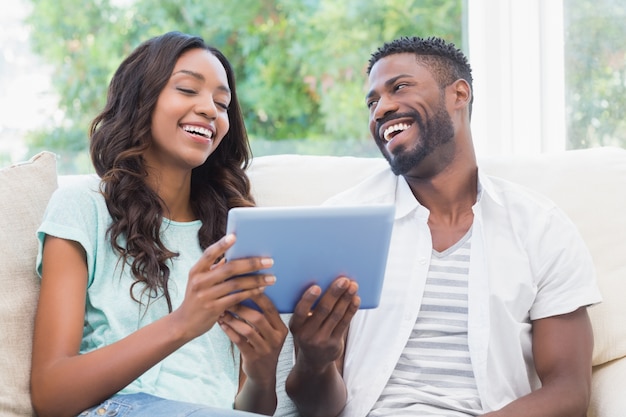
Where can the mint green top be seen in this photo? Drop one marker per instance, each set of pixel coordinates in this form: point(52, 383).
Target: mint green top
point(205, 370)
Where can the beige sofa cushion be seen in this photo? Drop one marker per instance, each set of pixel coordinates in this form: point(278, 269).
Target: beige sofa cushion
point(24, 192)
point(300, 180)
point(608, 390)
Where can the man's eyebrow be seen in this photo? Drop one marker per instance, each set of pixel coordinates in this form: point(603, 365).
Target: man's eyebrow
point(388, 84)
point(200, 77)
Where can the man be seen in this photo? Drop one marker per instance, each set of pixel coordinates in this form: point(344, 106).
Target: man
point(483, 309)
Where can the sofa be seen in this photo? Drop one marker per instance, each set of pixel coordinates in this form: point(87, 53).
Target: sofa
point(590, 185)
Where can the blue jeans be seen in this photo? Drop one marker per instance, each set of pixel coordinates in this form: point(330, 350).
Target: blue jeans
point(146, 405)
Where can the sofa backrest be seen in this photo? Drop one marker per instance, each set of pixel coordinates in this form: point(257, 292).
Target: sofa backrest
point(588, 185)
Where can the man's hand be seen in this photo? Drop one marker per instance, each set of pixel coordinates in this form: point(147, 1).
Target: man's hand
point(315, 383)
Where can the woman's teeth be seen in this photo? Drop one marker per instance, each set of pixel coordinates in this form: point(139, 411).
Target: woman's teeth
point(197, 130)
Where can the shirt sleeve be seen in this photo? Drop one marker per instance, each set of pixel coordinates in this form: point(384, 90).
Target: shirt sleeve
point(565, 274)
point(74, 212)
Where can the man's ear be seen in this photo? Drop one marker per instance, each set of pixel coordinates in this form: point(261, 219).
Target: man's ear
point(463, 92)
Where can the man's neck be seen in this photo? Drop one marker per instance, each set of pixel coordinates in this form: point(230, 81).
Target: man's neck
point(449, 196)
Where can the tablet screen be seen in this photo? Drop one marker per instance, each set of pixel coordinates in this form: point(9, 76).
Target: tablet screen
point(315, 245)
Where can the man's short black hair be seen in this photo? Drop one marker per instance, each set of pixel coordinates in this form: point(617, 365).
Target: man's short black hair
point(446, 62)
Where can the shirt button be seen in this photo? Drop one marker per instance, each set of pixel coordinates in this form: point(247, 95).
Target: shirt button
point(101, 411)
point(422, 261)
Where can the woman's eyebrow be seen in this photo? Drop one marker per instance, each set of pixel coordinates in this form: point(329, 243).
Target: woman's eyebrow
point(191, 73)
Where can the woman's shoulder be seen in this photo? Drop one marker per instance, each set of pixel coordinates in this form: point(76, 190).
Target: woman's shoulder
point(79, 191)
point(80, 186)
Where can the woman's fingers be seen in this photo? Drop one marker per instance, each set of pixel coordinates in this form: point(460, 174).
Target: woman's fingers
point(220, 279)
point(209, 259)
point(269, 311)
point(218, 264)
point(238, 289)
point(247, 335)
point(238, 330)
point(215, 285)
point(213, 253)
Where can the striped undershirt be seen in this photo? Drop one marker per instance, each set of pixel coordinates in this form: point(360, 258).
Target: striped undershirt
point(434, 374)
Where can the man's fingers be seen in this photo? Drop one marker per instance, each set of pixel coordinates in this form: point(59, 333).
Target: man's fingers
point(332, 308)
point(334, 311)
point(343, 324)
point(304, 306)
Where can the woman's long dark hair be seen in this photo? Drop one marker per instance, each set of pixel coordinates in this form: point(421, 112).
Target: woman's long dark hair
point(121, 134)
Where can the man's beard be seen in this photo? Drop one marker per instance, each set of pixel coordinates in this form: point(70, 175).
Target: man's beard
point(434, 132)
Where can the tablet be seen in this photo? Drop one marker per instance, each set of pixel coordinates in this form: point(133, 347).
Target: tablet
point(315, 245)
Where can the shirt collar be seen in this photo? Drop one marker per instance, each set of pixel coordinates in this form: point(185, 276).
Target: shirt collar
point(406, 201)
point(486, 188)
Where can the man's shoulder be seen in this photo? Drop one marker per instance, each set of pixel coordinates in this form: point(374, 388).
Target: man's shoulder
point(528, 211)
point(506, 192)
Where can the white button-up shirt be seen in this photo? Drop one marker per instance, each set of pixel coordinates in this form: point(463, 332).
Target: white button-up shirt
point(528, 262)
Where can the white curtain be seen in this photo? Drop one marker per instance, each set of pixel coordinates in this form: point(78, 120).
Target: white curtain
point(516, 53)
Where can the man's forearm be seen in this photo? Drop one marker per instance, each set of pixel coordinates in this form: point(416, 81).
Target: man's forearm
point(567, 400)
point(317, 394)
point(257, 399)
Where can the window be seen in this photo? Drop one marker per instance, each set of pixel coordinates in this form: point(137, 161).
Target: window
point(549, 74)
point(595, 72)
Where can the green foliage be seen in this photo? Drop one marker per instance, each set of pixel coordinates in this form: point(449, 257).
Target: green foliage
point(595, 73)
point(347, 33)
point(299, 63)
point(75, 37)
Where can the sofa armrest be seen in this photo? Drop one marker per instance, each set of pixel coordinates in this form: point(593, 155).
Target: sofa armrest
point(25, 189)
point(607, 389)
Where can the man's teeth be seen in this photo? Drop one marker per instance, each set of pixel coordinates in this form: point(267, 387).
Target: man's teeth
point(394, 128)
point(199, 131)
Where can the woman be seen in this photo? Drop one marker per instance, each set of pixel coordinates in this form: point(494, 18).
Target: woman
point(133, 277)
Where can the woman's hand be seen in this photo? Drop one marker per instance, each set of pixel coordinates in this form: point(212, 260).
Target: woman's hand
point(259, 335)
point(214, 287)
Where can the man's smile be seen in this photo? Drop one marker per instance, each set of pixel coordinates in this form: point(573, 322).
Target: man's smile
point(394, 129)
